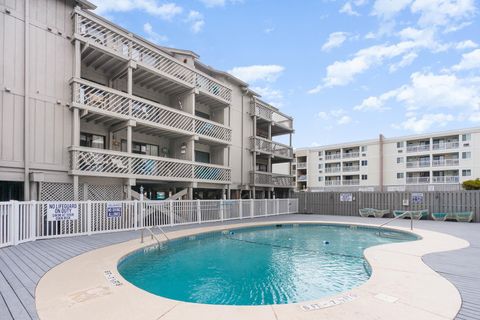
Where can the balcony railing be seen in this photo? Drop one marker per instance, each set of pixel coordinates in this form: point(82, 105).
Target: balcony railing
point(332, 169)
point(333, 156)
point(98, 162)
point(301, 165)
point(272, 180)
point(112, 39)
point(418, 164)
point(302, 178)
point(445, 179)
point(259, 144)
point(418, 148)
point(347, 155)
point(445, 162)
point(114, 103)
point(353, 182)
point(264, 112)
point(418, 180)
point(445, 145)
point(351, 168)
point(333, 182)
point(282, 150)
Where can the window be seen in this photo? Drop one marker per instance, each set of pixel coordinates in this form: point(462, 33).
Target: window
point(400, 160)
point(466, 173)
point(364, 163)
point(364, 148)
point(364, 177)
point(466, 155)
point(202, 114)
point(320, 166)
point(320, 179)
point(141, 148)
point(204, 157)
point(92, 140)
point(466, 137)
point(320, 153)
point(400, 144)
point(400, 175)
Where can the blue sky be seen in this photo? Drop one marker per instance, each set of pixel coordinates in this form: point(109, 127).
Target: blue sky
point(345, 70)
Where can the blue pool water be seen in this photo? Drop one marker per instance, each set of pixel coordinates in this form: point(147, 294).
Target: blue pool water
point(258, 266)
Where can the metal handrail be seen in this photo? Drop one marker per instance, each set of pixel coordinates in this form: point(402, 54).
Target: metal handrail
point(151, 234)
point(398, 217)
point(163, 232)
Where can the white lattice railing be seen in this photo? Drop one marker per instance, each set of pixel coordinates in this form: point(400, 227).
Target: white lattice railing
point(260, 144)
point(28, 221)
point(271, 179)
point(285, 181)
point(261, 110)
point(282, 150)
point(90, 161)
point(117, 104)
point(94, 31)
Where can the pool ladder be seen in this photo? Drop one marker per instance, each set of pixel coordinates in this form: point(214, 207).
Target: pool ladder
point(152, 234)
point(406, 213)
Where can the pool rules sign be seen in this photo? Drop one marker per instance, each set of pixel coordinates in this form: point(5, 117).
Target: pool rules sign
point(62, 211)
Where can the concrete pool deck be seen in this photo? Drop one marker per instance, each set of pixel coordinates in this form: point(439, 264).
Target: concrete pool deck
point(73, 296)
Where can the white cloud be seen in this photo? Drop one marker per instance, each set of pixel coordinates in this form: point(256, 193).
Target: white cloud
point(338, 116)
point(165, 11)
point(196, 20)
point(386, 9)
point(269, 30)
point(270, 95)
point(344, 120)
point(442, 12)
point(152, 35)
point(467, 44)
point(335, 39)
point(347, 9)
point(419, 124)
point(469, 61)
point(406, 61)
point(254, 73)
point(218, 3)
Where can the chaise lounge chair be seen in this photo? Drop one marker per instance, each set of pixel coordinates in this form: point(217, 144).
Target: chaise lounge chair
point(380, 213)
point(366, 212)
point(413, 214)
point(441, 216)
point(466, 216)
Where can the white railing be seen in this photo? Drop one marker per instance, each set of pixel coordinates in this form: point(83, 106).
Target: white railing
point(332, 169)
point(99, 162)
point(418, 180)
point(418, 148)
point(301, 165)
point(352, 182)
point(445, 145)
point(271, 179)
point(97, 32)
point(29, 221)
point(260, 144)
point(302, 178)
point(351, 168)
point(445, 162)
point(282, 150)
point(333, 156)
point(418, 164)
point(262, 110)
point(351, 155)
point(113, 103)
point(333, 182)
point(445, 179)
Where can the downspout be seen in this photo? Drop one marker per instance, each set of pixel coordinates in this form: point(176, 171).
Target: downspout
point(26, 141)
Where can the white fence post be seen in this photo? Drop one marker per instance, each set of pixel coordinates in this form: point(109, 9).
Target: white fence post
point(135, 214)
point(266, 207)
point(199, 212)
point(33, 220)
point(171, 213)
point(252, 208)
point(15, 228)
point(240, 208)
point(89, 217)
point(221, 210)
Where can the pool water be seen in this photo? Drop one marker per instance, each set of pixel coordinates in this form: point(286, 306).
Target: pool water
point(258, 266)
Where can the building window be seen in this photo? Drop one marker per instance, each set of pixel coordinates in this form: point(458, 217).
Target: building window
point(320, 179)
point(400, 144)
point(320, 166)
point(400, 160)
point(364, 148)
point(466, 173)
point(204, 157)
point(400, 175)
point(320, 153)
point(466, 137)
point(364, 163)
point(202, 114)
point(466, 155)
point(364, 177)
point(141, 148)
point(92, 140)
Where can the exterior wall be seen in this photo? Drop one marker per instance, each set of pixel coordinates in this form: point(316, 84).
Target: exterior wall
point(453, 171)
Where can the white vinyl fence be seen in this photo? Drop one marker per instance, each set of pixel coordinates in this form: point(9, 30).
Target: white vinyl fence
point(29, 221)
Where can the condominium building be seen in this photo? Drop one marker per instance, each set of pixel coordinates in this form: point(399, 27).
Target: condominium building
point(426, 162)
point(89, 110)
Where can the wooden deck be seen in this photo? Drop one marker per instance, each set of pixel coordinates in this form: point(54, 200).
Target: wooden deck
point(22, 266)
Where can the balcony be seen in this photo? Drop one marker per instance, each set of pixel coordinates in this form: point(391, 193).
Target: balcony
point(351, 168)
point(281, 124)
point(445, 162)
point(445, 145)
point(418, 148)
point(332, 169)
point(334, 156)
point(333, 182)
point(418, 164)
point(351, 155)
point(267, 179)
point(107, 163)
point(418, 180)
point(302, 178)
point(266, 146)
point(352, 182)
point(445, 179)
point(301, 165)
point(110, 40)
point(107, 102)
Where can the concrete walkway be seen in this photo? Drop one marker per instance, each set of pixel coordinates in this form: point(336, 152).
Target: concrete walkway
point(22, 266)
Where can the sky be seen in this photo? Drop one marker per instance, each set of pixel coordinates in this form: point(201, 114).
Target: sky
point(345, 70)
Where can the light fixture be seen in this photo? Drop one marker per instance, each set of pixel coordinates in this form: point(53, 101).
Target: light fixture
point(183, 148)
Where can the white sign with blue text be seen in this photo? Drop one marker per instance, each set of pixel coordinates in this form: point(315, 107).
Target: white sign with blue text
point(62, 211)
point(114, 210)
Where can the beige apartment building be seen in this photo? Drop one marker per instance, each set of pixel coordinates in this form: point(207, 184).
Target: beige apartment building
point(428, 162)
point(89, 110)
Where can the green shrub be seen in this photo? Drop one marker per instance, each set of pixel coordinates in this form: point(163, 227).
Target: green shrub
point(471, 184)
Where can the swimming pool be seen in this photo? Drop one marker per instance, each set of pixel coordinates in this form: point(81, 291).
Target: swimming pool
point(276, 264)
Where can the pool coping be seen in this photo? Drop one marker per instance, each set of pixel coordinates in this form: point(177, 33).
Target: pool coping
point(401, 286)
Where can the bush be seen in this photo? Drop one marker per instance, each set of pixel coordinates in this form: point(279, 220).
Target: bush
point(471, 184)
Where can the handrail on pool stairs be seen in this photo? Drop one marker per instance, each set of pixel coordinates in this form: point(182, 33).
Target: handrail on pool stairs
point(395, 218)
point(149, 229)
